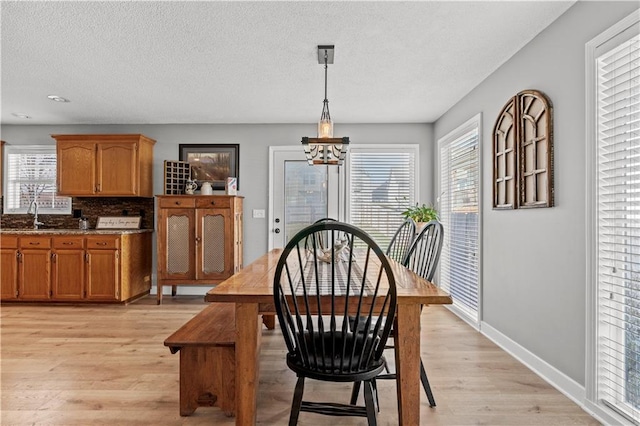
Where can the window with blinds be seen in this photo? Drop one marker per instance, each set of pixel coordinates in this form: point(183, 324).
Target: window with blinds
point(381, 184)
point(31, 175)
point(618, 225)
point(459, 179)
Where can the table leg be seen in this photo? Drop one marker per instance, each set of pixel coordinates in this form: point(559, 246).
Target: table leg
point(407, 350)
point(248, 332)
point(159, 293)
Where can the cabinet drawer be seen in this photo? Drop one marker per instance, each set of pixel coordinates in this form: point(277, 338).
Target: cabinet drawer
point(35, 242)
point(103, 242)
point(213, 203)
point(68, 242)
point(8, 241)
point(176, 203)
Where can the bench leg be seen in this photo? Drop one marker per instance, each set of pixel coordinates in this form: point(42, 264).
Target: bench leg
point(207, 377)
point(269, 320)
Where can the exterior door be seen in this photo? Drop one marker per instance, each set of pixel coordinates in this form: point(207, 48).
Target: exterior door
point(301, 194)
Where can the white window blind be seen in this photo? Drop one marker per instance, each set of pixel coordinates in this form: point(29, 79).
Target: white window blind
point(31, 173)
point(459, 186)
point(381, 185)
point(618, 223)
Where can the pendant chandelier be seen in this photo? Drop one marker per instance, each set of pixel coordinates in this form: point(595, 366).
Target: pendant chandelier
point(325, 149)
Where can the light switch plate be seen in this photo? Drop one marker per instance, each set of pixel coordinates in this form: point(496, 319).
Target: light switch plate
point(258, 213)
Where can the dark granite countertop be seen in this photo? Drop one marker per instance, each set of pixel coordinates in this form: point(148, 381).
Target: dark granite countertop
point(30, 231)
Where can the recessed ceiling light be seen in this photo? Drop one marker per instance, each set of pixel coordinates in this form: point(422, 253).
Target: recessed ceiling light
point(57, 98)
point(20, 115)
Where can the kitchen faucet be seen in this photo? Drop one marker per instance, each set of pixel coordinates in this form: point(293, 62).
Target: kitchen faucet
point(36, 222)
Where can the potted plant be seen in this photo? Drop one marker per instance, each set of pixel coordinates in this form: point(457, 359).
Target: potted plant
point(421, 214)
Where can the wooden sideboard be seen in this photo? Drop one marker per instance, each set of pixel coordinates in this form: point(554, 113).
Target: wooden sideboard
point(199, 239)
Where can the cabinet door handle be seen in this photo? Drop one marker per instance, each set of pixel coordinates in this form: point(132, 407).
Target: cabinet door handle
point(198, 239)
point(177, 203)
point(34, 243)
point(101, 244)
point(54, 256)
point(213, 203)
point(66, 243)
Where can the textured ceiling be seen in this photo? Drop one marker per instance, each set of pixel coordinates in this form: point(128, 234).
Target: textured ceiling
point(253, 62)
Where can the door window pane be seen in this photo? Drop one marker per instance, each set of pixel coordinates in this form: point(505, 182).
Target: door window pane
point(305, 195)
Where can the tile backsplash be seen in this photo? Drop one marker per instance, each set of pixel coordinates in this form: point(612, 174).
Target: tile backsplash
point(91, 208)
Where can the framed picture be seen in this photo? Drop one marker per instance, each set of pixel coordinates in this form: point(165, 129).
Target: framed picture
point(212, 163)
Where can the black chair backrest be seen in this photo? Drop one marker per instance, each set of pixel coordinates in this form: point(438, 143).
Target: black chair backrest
point(322, 237)
point(352, 281)
point(402, 239)
point(424, 253)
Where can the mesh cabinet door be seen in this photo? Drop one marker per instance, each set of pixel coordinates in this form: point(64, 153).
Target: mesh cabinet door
point(212, 245)
point(178, 242)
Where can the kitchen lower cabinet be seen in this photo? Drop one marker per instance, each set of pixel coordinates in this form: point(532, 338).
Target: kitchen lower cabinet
point(103, 269)
point(68, 276)
point(34, 268)
point(8, 267)
point(76, 268)
point(199, 239)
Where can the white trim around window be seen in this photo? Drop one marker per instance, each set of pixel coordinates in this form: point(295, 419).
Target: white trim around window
point(611, 130)
point(30, 170)
point(459, 185)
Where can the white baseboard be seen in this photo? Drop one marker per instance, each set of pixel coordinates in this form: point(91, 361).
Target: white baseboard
point(563, 383)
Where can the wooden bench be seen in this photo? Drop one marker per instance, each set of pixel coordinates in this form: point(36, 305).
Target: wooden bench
point(207, 359)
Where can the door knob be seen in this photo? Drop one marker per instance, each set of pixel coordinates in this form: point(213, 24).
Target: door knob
point(277, 230)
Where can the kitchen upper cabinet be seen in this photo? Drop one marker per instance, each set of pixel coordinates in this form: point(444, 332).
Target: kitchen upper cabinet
point(104, 165)
point(1, 162)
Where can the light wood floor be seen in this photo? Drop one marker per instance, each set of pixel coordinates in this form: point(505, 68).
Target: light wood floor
point(87, 365)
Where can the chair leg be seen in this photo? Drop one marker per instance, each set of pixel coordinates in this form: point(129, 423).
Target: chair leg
point(425, 385)
point(369, 403)
point(355, 392)
point(297, 402)
point(374, 385)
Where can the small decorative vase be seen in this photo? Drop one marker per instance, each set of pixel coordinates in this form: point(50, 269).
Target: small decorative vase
point(206, 189)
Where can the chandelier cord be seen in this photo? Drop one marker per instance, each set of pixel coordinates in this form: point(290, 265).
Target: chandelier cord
point(325, 75)
point(325, 104)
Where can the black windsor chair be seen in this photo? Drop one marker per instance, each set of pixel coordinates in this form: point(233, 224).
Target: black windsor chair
point(422, 258)
point(401, 241)
point(313, 299)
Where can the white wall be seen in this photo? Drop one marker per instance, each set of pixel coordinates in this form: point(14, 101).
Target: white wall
point(254, 140)
point(534, 265)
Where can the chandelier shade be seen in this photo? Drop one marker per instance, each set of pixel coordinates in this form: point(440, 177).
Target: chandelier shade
point(325, 151)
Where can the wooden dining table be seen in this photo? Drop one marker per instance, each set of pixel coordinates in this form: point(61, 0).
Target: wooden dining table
point(251, 290)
